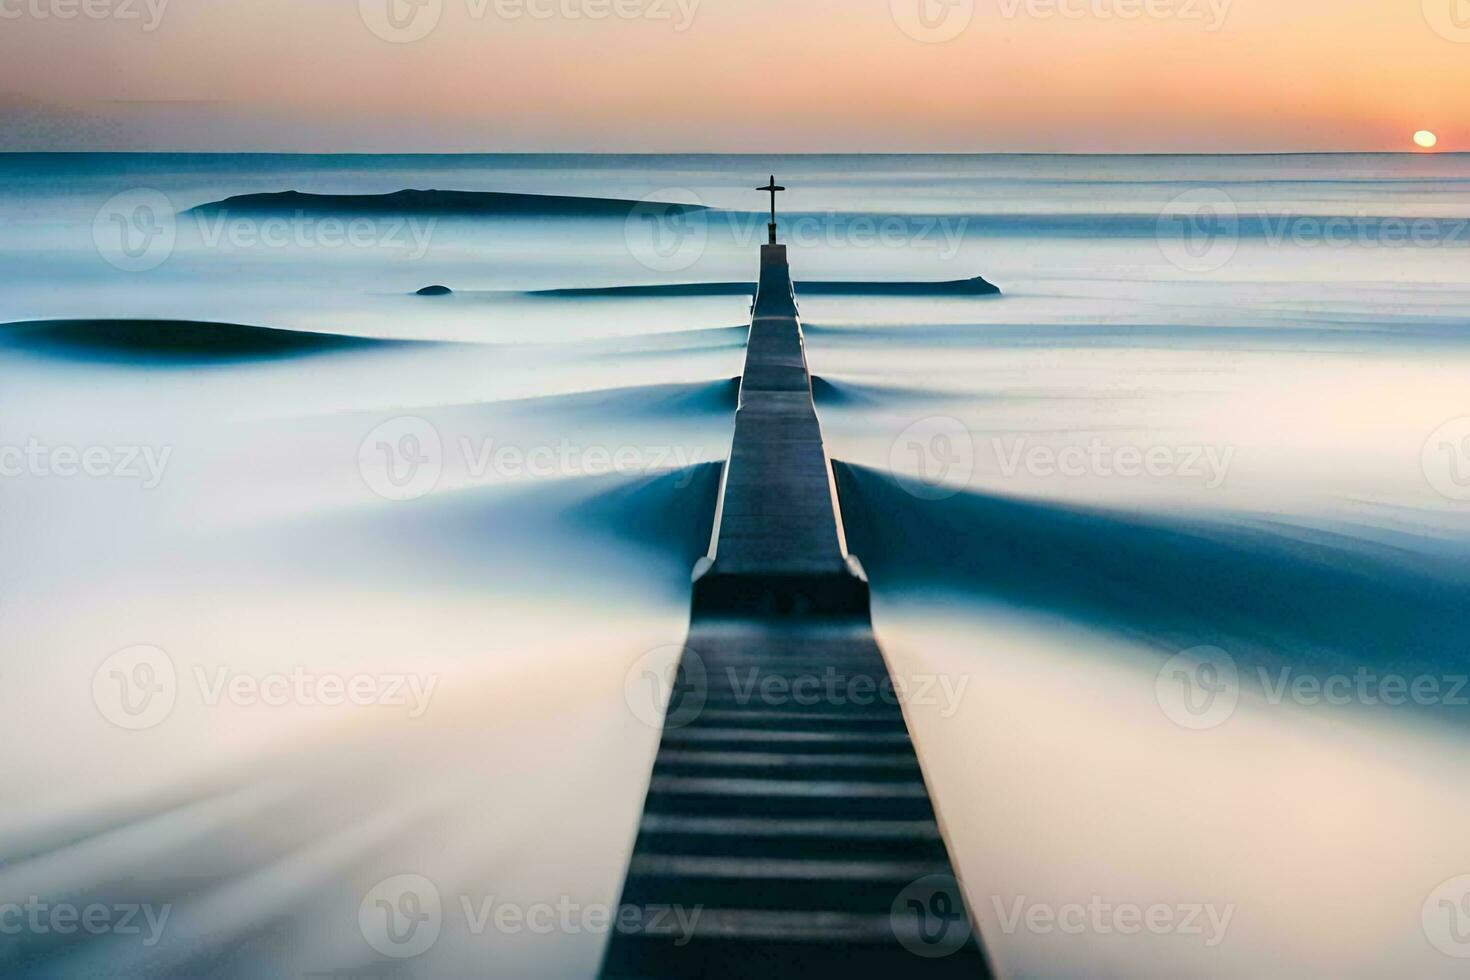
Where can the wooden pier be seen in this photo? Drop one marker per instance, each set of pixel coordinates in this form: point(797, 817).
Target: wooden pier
point(787, 817)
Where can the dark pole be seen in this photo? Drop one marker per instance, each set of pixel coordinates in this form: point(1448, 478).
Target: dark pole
point(771, 228)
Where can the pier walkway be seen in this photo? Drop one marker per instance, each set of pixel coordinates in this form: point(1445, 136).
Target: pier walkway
point(787, 817)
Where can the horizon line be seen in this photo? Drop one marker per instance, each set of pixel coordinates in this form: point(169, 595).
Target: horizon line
point(717, 153)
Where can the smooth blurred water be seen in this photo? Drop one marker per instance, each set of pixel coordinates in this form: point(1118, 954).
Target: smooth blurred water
point(1298, 384)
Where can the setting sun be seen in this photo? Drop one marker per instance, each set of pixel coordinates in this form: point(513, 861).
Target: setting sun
point(1426, 139)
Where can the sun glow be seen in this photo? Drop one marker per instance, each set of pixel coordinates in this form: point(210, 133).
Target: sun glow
point(1426, 139)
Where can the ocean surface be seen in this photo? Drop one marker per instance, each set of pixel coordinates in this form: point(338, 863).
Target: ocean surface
point(1181, 518)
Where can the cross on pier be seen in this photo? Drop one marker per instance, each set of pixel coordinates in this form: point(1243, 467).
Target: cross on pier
point(773, 187)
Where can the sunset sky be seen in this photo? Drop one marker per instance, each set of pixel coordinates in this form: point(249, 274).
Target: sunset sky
point(734, 75)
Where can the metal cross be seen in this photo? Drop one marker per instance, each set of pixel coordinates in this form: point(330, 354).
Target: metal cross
point(773, 187)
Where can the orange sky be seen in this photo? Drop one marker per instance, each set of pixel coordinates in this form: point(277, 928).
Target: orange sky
point(737, 75)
